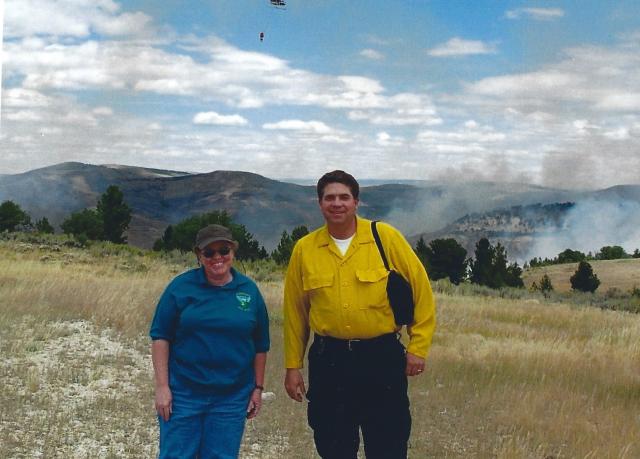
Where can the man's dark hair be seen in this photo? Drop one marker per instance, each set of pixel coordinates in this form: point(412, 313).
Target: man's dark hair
point(338, 176)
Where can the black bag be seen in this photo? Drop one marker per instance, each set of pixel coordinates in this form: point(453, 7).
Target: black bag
point(398, 288)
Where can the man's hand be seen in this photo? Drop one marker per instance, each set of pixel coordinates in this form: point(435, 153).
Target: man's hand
point(415, 365)
point(294, 384)
point(255, 403)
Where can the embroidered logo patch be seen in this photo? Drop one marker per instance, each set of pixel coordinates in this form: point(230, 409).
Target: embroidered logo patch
point(243, 299)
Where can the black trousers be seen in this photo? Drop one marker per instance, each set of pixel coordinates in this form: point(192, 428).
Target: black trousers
point(357, 385)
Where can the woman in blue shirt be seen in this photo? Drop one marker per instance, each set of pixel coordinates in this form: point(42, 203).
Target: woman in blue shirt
point(210, 337)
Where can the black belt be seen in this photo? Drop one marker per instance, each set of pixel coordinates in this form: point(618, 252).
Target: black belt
point(352, 344)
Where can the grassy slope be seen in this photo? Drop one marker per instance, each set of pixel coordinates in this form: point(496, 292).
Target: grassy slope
point(621, 274)
point(506, 378)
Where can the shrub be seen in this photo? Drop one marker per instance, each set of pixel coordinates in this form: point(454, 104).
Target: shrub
point(12, 216)
point(43, 226)
point(584, 279)
point(443, 258)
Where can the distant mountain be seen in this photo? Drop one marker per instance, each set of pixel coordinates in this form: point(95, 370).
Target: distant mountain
point(159, 198)
point(267, 207)
point(619, 193)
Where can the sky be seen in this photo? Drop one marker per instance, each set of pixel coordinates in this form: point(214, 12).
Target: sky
point(546, 93)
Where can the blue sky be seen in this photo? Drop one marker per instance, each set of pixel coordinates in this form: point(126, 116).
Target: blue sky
point(538, 92)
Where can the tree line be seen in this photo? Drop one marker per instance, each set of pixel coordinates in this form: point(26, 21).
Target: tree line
point(446, 258)
point(108, 221)
point(607, 252)
point(442, 258)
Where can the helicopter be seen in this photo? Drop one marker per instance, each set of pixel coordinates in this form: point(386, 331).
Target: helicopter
point(278, 4)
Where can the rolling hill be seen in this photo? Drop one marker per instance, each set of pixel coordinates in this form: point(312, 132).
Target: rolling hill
point(621, 274)
point(518, 215)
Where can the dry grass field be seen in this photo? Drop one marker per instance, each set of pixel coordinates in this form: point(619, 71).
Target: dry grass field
point(621, 274)
point(505, 379)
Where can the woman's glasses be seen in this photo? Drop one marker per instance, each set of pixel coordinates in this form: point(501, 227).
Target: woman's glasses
point(210, 253)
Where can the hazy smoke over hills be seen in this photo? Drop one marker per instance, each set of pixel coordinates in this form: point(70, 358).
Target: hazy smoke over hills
point(592, 224)
point(440, 205)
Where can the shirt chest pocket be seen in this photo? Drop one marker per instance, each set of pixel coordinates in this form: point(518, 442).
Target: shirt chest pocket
point(314, 282)
point(372, 287)
point(319, 289)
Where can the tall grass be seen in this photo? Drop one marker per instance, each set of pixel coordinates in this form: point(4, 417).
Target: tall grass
point(507, 377)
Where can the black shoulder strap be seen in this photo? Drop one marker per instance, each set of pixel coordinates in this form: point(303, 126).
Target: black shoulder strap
point(376, 236)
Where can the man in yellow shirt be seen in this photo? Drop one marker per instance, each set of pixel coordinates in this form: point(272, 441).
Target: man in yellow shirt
point(336, 287)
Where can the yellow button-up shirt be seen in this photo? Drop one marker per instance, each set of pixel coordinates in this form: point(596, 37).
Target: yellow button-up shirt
point(345, 296)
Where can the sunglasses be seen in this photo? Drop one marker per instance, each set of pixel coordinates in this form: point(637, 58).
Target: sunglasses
point(210, 253)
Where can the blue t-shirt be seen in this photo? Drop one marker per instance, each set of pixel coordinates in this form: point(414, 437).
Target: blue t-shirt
point(214, 332)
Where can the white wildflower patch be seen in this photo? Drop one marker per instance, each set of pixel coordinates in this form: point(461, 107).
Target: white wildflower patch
point(79, 392)
point(256, 447)
point(74, 390)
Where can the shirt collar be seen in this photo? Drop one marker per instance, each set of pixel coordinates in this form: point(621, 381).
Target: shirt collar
point(238, 279)
point(363, 233)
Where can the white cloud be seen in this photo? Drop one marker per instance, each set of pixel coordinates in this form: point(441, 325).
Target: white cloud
point(377, 40)
point(372, 54)
point(575, 83)
point(404, 109)
point(102, 111)
point(358, 84)
point(71, 18)
point(472, 133)
point(316, 127)
point(24, 115)
point(125, 24)
point(581, 108)
point(226, 74)
point(621, 133)
point(540, 14)
point(337, 139)
point(584, 127)
point(534, 83)
point(384, 139)
point(20, 97)
point(220, 120)
point(460, 47)
point(620, 101)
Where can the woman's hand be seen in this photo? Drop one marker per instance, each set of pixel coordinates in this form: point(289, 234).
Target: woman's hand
point(255, 403)
point(163, 402)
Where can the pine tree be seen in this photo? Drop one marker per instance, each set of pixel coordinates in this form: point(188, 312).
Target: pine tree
point(545, 284)
point(421, 252)
point(182, 235)
point(584, 278)
point(86, 224)
point(445, 258)
point(282, 253)
point(43, 226)
point(12, 216)
point(490, 267)
point(482, 265)
point(115, 215)
point(570, 256)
